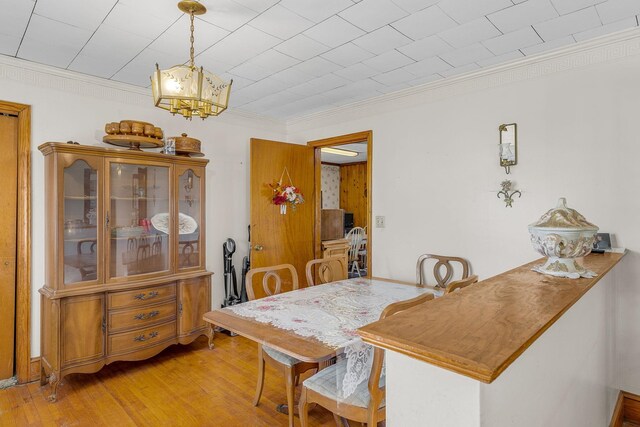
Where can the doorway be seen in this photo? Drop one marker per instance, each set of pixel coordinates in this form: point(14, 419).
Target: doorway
point(15, 250)
point(351, 163)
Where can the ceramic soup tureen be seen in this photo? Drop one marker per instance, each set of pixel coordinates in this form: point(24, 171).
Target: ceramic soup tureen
point(563, 235)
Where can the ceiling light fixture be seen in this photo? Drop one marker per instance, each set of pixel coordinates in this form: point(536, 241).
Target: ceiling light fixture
point(186, 89)
point(339, 151)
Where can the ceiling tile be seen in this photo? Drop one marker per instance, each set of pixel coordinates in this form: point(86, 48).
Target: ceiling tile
point(316, 11)
point(347, 54)
point(9, 44)
point(238, 82)
point(394, 77)
point(320, 85)
point(291, 77)
point(227, 14)
point(414, 5)
point(263, 105)
point(571, 23)
point(79, 13)
point(393, 88)
point(14, 17)
point(425, 48)
point(614, 10)
point(39, 46)
point(606, 29)
point(301, 47)
point(553, 44)
point(427, 67)
point(464, 10)
point(356, 89)
point(257, 5)
point(473, 53)
point(167, 11)
point(373, 14)
point(263, 88)
point(523, 14)
point(150, 27)
point(460, 70)
point(382, 40)
point(472, 32)
point(176, 38)
point(264, 65)
point(239, 46)
point(505, 57)
point(425, 80)
point(316, 67)
point(281, 22)
point(111, 48)
point(513, 41)
point(333, 32)
point(567, 6)
point(357, 72)
point(138, 71)
point(424, 23)
point(388, 61)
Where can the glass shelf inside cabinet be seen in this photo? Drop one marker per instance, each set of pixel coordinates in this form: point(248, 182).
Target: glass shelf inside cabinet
point(139, 219)
point(80, 223)
point(189, 220)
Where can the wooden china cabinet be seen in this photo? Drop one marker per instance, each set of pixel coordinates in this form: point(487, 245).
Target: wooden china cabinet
point(125, 257)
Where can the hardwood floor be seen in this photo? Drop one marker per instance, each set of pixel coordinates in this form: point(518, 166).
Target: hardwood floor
point(182, 386)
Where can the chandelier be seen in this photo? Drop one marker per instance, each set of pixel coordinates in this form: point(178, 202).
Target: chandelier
point(187, 89)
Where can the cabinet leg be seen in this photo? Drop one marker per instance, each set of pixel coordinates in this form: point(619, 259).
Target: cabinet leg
point(210, 335)
point(54, 381)
point(43, 376)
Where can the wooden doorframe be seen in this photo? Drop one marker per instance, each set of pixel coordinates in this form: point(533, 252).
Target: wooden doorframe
point(23, 240)
point(350, 138)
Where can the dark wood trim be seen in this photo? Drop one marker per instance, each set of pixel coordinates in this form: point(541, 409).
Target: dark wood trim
point(34, 369)
point(331, 164)
point(354, 163)
point(341, 140)
point(23, 240)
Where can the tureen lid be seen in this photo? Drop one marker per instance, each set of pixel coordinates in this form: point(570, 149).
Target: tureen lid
point(563, 217)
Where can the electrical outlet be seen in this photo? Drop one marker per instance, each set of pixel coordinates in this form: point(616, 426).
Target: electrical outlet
point(379, 222)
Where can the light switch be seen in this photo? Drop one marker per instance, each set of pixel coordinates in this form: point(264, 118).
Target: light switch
point(379, 222)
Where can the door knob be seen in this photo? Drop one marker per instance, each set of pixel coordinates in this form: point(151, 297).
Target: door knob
point(258, 248)
point(6, 263)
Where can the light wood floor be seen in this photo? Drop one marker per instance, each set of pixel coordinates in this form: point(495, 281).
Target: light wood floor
point(182, 386)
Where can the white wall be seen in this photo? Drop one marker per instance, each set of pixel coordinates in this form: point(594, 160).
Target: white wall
point(78, 108)
point(436, 173)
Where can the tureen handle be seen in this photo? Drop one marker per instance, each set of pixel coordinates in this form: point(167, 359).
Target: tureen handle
point(562, 203)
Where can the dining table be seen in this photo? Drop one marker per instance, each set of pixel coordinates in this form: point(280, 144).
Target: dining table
point(318, 323)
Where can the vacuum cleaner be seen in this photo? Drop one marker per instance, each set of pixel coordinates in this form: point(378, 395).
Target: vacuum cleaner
point(230, 280)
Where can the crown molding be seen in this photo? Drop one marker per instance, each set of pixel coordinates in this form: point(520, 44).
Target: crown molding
point(48, 77)
point(602, 49)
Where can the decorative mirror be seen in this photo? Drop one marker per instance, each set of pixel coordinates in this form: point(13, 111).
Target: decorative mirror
point(508, 146)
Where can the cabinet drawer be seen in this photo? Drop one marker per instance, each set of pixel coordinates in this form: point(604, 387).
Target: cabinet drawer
point(141, 317)
point(139, 297)
point(126, 342)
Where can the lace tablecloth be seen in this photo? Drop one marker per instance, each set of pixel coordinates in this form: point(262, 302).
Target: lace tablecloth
point(331, 313)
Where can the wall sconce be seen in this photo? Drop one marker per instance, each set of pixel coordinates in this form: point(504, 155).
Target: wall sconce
point(508, 146)
point(508, 193)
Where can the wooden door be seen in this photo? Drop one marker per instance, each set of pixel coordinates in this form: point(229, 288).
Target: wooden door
point(281, 238)
point(8, 207)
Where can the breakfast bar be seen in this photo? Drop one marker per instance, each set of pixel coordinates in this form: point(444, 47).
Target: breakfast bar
point(520, 348)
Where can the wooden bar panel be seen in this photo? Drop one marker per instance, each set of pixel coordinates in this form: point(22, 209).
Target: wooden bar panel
point(480, 330)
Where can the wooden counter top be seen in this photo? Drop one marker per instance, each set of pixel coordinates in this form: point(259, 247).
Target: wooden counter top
point(482, 329)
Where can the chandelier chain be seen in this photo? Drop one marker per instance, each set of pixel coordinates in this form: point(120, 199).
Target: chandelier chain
point(193, 65)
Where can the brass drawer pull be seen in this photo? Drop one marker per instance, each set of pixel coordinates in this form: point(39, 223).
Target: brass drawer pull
point(144, 296)
point(140, 338)
point(145, 316)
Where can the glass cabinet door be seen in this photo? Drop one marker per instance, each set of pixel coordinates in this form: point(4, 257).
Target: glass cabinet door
point(80, 214)
point(138, 219)
point(189, 221)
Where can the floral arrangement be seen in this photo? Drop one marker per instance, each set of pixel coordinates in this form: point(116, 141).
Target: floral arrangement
point(286, 194)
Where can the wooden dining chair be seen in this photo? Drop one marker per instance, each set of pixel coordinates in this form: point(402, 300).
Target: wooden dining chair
point(367, 402)
point(289, 366)
point(355, 237)
point(459, 284)
point(327, 270)
point(441, 261)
